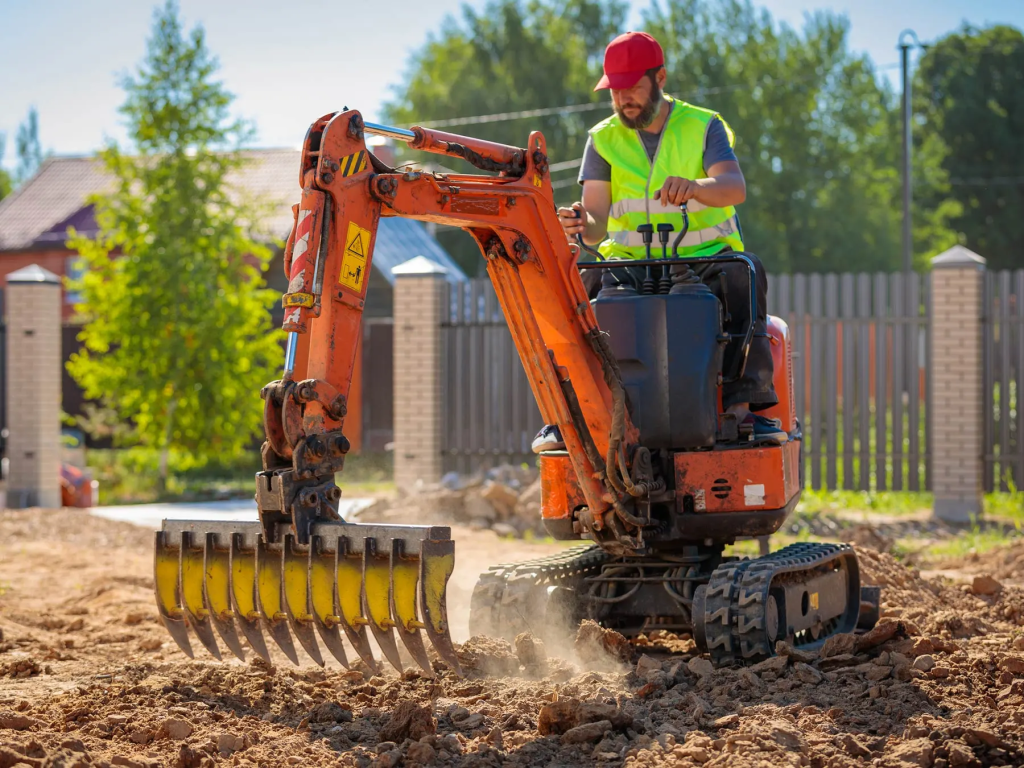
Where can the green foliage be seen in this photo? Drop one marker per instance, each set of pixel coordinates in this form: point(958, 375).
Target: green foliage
point(28, 148)
point(969, 96)
point(6, 182)
point(177, 337)
point(813, 124)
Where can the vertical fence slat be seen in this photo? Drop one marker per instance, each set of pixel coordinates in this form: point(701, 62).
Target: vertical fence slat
point(1018, 326)
point(881, 306)
point(897, 299)
point(864, 380)
point(831, 379)
point(800, 340)
point(926, 289)
point(988, 381)
point(848, 371)
point(913, 383)
point(1004, 378)
point(815, 366)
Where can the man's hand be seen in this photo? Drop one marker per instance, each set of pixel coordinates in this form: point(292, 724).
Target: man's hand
point(573, 220)
point(677, 191)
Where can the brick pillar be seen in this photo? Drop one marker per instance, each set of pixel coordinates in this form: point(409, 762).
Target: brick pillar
point(956, 378)
point(419, 302)
point(33, 300)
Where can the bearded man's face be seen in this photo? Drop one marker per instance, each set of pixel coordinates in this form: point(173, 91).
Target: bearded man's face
point(638, 106)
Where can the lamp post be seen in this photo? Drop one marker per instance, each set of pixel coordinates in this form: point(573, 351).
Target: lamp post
point(908, 239)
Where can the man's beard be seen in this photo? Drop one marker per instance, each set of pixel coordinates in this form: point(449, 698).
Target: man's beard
point(647, 113)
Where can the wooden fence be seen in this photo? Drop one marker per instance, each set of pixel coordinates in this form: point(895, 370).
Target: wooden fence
point(860, 353)
point(1003, 351)
point(489, 415)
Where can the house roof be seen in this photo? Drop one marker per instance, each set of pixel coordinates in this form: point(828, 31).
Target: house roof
point(40, 211)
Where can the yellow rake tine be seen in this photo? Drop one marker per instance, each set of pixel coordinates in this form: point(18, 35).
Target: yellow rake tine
point(165, 578)
point(295, 571)
point(348, 585)
point(437, 562)
point(321, 599)
point(377, 600)
point(268, 593)
point(243, 595)
point(217, 593)
point(192, 578)
point(405, 573)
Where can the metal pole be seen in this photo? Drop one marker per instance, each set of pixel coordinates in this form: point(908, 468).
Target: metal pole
point(908, 237)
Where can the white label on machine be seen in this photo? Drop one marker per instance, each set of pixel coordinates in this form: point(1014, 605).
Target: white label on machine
point(699, 504)
point(753, 495)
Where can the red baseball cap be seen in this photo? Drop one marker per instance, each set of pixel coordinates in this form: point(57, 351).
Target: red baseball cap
point(626, 59)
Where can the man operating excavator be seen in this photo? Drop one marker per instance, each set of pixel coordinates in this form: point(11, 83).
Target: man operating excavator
point(640, 165)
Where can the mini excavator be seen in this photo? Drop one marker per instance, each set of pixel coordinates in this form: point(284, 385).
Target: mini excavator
point(653, 474)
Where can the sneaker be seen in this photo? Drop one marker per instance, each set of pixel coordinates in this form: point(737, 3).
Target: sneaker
point(769, 430)
point(548, 439)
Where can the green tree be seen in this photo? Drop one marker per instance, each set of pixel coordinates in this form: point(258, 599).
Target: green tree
point(511, 56)
point(814, 130)
point(6, 182)
point(28, 148)
point(969, 99)
point(815, 125)
point(177, 335)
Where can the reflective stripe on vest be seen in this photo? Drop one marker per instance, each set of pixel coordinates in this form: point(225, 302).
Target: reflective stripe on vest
point(692, 239)
point(635, 179)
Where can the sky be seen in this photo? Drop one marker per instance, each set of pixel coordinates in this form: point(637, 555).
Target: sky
point(290, 62)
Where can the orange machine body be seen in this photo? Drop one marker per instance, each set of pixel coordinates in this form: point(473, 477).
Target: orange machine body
point(728, 480)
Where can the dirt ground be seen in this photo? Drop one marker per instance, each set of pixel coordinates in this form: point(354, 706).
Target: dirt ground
point(88, 677)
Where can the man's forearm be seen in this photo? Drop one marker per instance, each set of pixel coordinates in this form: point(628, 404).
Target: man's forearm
point(721, 191)
point(596, 230)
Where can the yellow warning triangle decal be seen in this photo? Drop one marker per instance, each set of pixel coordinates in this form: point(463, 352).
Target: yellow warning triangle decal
point(356, 245)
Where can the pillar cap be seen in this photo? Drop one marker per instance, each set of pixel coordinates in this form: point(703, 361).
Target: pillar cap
point(419, 266)
point(958, 257)
point(33, 273)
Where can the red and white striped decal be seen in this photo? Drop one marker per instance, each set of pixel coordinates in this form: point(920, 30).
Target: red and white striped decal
point(302, 232)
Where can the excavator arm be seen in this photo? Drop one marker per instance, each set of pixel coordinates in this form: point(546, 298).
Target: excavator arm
point(303, 568)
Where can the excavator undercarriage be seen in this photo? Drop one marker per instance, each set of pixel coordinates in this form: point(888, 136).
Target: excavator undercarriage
point(653, 472)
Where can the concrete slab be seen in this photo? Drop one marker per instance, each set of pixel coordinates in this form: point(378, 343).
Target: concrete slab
point(153, 515)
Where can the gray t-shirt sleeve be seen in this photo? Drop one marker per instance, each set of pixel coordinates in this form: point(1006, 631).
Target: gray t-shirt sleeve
point(594, 167)
point(716, 145)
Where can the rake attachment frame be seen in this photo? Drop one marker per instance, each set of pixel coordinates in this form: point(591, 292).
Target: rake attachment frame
point(227, 576)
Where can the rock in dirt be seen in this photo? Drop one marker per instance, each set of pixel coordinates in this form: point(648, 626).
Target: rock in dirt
point(837, 645)
point(807, 674)
point(175, 728)
point(330, 712)
point(16, 722)
point(588, 732)
point(985, 585)
point(853, 747)
point(884, 631)
point(593, 711)
point(229, 743)
point(1012, 664)
point(771, 664)
point(530, 651)
point(924, 663)
point(701, 667)
point(488, 656)
point(558, 717)
point(595, 644)
point(410, 720)
point(782, 648)
point(646, 665)
point(916, 753)
point(420, 753)
point(501, 497)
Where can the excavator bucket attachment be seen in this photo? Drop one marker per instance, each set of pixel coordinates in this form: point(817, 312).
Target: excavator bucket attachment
point(228, 577)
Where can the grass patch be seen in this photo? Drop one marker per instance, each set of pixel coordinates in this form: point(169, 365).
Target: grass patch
point(130, 476)
point(978, 540)
point(882, 502)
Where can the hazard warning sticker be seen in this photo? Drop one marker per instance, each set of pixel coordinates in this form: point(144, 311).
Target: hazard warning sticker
point(352, 164)
point(353, 263)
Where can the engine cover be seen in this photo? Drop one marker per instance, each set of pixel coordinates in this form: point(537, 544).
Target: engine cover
point(669, 351)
